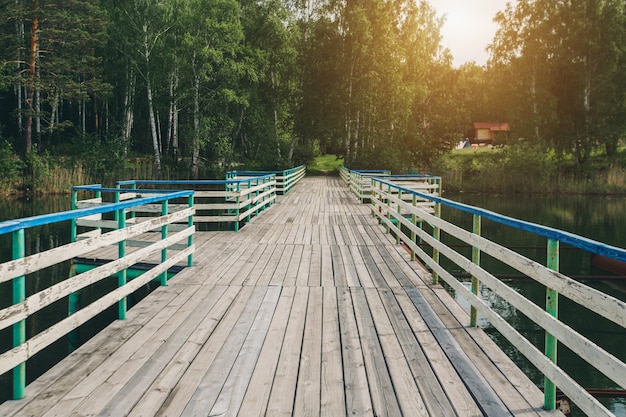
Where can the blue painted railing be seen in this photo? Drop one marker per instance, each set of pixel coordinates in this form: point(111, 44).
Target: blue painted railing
point(18, 271)
point(420, 230)
point(232, 201)
point(285, 179)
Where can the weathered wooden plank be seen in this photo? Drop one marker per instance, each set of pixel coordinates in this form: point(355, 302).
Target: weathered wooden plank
point(487, 399)
point(125, 389)
point(239, 268)
point(358, 402)
point(315, 269)
point(307, 400)
point(332, 395)
point(229, 400)
point(256, 398)
point(282, 395)
point(294, 264)
point(157, 392)
point(384, 399)
point(432, 393)
point(460, 398)
point(339, 269)
point(216, 376)
point(273, 261)
point(352, 276)
point(404, 385)
point(283, 266)
point(209, 348)
point(305, 266)
point(327, 276)
point(82, 362)
point(481, 358)
point(357, 273)
point(71, 402)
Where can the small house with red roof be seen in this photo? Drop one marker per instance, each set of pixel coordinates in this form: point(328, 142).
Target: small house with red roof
point(489, 133)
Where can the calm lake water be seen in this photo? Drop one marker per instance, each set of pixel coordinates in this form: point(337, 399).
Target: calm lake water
point(598, 218)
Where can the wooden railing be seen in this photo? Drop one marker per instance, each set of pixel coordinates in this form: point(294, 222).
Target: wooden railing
point(232, 202)
point(360, 181)
point(421, 230)
point(285, 179)
point(16, 274)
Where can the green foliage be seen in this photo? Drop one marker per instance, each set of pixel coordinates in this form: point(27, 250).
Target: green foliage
point(527, 168)
point(11, 168)
point(325, 165)
point(37, 170)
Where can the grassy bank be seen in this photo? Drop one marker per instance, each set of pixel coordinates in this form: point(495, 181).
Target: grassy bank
point(325, 165)
point(525, 170)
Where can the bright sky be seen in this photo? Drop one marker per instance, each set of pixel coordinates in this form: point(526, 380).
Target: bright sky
point(468, 27)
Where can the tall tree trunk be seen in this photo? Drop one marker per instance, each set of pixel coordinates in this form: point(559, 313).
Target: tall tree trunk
point(195, 157)
point(155, 138)
point(54, 114)
point(129, 99)
point(19, 86)
point(173, 109)
point(153, 126)
point(32, 71)
point(276, 134)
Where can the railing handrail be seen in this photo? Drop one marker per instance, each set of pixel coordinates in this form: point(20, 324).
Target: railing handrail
point(405, 217)
point(194, 182)
point(10, 226)
point(22, 265)
point(568, 238)
point(284, 172)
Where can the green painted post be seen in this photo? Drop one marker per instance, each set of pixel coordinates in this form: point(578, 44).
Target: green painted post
point(164, 212)
point(132, 213)
point(237, 209)
point(256, 194)
point(552, 307)
point(476, 227)
point(74, 232)
point(414, 221)
point(437, 236)
point(399, 215)
point(19, 328)
point(121, 249)
point(248, 207)
point(388, 208)
point(189, 224)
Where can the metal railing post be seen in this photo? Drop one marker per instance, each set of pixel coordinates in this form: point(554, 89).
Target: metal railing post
point(19, 328)
point(437, 237)
point(121, 251)
point(74, 232)
point(476, 228)
point(552, 307)
point(399, 215)
point(414, 221)
point(164, 212)
point(190, 224)
point(237, 208)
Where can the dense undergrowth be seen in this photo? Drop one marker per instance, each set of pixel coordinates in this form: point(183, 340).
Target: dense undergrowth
point(526, 169)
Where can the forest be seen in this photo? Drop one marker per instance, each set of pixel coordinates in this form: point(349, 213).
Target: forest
point(192, 88)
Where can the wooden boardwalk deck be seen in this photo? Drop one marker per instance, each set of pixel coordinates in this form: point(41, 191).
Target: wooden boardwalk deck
point(310, 310)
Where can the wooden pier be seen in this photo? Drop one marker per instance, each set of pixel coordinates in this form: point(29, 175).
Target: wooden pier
point(310, 309)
